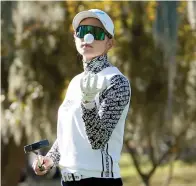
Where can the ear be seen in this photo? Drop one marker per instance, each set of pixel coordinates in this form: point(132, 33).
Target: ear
point(110, 43)
point(74, 35)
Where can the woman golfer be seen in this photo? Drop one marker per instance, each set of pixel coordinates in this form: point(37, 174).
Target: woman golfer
point(92, 116)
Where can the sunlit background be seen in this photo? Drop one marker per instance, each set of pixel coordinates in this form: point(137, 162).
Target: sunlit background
point(155, 47)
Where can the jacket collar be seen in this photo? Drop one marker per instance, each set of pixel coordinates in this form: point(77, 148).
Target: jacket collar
point(97, 64)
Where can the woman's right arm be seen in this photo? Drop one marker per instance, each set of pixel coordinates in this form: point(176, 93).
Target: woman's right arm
point(50, 160)
point(54, 153)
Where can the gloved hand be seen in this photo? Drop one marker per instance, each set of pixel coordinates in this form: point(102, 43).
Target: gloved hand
point(90, 86)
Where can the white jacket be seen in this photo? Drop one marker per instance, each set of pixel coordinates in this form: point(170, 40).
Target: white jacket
point(90, 136)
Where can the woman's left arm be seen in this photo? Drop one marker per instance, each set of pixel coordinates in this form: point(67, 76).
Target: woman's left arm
point(100, 123)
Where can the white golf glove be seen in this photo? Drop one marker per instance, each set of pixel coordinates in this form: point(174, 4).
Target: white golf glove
point(90, 85)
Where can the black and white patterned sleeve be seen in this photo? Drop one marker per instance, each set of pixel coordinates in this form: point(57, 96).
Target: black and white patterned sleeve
point(54, 153)
point(100, 123)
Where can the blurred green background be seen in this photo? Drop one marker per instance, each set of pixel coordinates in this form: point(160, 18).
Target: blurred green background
point(155, 47)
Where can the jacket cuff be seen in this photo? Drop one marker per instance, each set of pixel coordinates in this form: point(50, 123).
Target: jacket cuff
point(89, 105)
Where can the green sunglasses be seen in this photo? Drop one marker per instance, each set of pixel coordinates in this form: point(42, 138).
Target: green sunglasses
point(97, 32)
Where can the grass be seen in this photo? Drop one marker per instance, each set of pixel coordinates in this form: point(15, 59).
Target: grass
point(183, 175)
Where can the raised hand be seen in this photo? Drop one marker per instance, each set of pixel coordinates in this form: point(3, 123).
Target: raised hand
point(90, 85)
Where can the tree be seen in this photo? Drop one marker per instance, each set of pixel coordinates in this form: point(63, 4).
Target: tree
point(148, 130)
point(37, 67)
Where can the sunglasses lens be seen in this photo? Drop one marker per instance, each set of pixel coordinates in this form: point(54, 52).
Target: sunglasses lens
point(97, 32)
point(81, 31)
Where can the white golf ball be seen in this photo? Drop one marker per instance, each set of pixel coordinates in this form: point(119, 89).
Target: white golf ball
point(88, 38)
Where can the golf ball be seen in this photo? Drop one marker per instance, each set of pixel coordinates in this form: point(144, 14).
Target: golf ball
point(88, 38)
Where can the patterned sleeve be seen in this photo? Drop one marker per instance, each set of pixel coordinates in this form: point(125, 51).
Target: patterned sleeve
point(54, 154)
point(100, 123)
